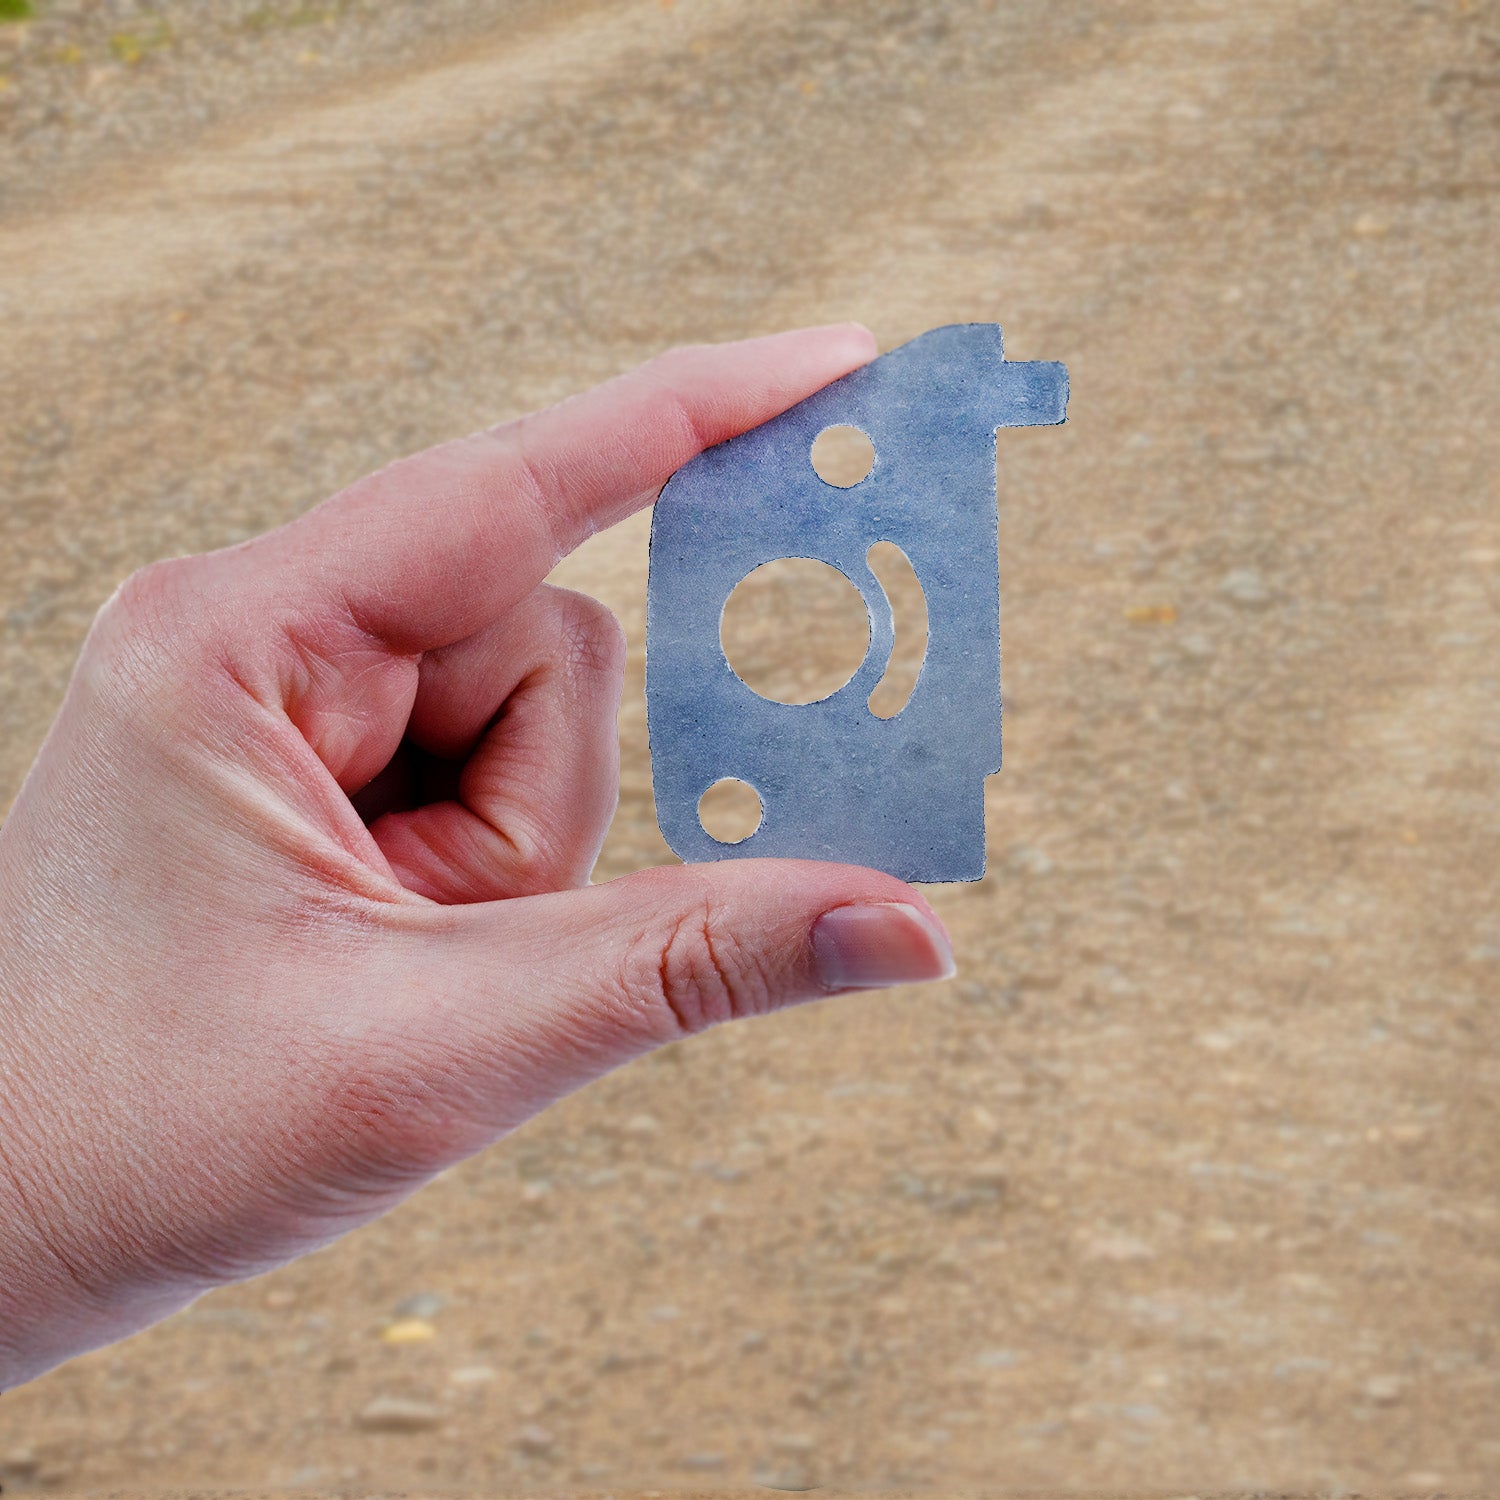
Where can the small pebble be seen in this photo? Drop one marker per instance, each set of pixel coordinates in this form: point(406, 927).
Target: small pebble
point(1119, 1248)
point(1151, 614)
point(1244, 586)
point(21, 1463)
point(792, 1477)
point(535, 1441)
point(408, 1331)
point(398, 1414)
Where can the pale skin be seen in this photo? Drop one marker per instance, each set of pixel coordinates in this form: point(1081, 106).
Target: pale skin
point(295, 907)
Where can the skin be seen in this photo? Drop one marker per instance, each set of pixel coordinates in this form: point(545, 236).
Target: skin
point(295, 907)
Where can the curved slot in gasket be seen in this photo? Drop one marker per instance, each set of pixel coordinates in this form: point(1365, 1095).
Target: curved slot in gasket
point(907, 600)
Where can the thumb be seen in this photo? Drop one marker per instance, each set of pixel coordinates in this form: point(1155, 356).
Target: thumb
point(668, 953)
point(530, 998)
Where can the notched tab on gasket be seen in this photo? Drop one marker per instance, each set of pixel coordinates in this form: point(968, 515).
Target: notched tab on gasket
point(902, 794)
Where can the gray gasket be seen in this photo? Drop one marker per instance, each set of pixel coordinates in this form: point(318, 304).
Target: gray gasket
point(904, 794)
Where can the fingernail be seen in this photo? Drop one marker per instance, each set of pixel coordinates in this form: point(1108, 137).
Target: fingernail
point(873, 947)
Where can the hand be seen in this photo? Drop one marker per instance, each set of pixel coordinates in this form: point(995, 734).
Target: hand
point(294, 906)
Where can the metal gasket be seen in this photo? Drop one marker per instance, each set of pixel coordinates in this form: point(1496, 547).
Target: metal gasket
point(904, 794)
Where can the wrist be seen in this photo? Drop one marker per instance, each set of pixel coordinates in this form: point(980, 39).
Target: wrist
point(67, 1283)
point(35, 1271)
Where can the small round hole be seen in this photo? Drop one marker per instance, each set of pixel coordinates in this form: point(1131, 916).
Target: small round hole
point(729, 811)
point(842, 456)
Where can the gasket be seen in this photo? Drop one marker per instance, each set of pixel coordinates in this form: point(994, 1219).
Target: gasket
point(904, 794)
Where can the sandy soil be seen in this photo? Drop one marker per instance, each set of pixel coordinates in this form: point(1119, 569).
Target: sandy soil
point(1190, 1178)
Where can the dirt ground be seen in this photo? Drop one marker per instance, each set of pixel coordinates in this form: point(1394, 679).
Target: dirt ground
point(1190, 1179)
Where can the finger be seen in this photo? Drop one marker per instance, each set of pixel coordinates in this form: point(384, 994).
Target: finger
point(530, 706)
point(435, 547)
point(523, 1001)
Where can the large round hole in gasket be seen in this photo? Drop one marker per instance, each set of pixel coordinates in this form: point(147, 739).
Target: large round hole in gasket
point(842, 456)
point(795, 630)
point(730, 810)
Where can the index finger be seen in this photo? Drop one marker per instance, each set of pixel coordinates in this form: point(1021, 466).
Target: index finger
point(434, 547)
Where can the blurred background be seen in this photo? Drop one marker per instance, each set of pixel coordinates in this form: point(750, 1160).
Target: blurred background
point(1190, 1179)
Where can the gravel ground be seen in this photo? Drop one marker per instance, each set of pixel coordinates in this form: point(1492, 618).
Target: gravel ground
point(91, 89)
point(1189, 1180)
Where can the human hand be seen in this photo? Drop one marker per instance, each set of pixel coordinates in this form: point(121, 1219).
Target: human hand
point(294, 906)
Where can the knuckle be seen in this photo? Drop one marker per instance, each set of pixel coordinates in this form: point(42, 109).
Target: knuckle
point(158, 592)
point(167, 662)
point(693, 973)
point(670, 375)
point(155, 615)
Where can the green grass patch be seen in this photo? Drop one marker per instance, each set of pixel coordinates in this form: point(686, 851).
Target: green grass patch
point(16, 10)
point(130, 47)
point(269, 17)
